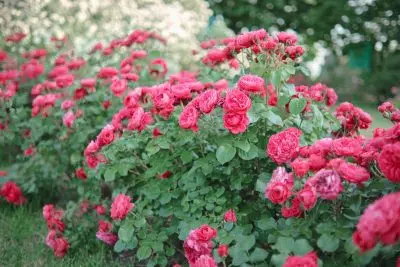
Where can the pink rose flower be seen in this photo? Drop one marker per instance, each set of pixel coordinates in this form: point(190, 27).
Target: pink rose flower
point(68, 119)
point(251, 84)
point(208, 100)
point(121, 206)
point(118, 86)
point(283, 146)
point(235, 122)
point(389, 162)
point(106, 136)
point(230, 216)
point(205, 261)
point(223, 250)
point(237, 102)
point(308, 197)
point(308, 260)
point(300, 167)
point(188, 118)
point(327, 183)
point(64, 80)
point(107, 237)
point(67, 104)
point(379, 223)
point(352, 172)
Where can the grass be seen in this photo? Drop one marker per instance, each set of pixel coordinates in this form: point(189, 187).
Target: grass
point(22, 233)
point(377, 120)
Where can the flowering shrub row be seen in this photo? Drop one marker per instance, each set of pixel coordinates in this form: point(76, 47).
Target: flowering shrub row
point(204, 168)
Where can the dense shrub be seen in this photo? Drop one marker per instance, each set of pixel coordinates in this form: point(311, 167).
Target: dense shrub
point(205, 168)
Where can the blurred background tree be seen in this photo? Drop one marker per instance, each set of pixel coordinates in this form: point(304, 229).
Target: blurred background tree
point(362, 36)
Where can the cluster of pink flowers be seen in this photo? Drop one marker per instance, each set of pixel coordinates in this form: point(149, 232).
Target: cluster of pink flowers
point(379, 223)
point(55, 239)
point(308, 260)
point(330, 161)
point(135, 37)
point(9, 79)
point(180, 88)
point(43, 103)
point(105, 137)
point(32, 69)
point(352, 119)
point(198, 247)
point(318, 93)
point(105, 234)
point(389, 111)
point(15, 37)
point(12, 193)
point(236, 103)
point(283, 46)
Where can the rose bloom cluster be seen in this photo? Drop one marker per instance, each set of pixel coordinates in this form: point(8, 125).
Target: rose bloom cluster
point(379, 223)
point(136, 115)
point(9, 81)
point(327, 163)
point(12, 193)
point(55, 239)
point(135, 37)
point(235, 103)
point(105, 234)
point(352, 119)
point(384, 148)
point(198, 246)
point(282, 46)
point(389, 111)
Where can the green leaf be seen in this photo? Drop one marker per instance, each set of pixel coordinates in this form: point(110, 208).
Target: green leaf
point(301, 247)
point(239, 258)
point(225, 153)
point(119, 246)
point(297, 105)
point(143, 253)
point(251, 154)
point(125, 232)
point(186, 156)
point(274, 118)
point(246, 242)
point(266, 223)
point(243, 145)
point(228, 226)
point(151, 148)
point(305, 70)
point(328, 243)
point(283, 99)
point(140, 222)
point(165, 198)
point(318, 118)
point(276, 78)
point(278, 259)
point(109, 174)
point(152, 191)
point(284, 244)
point(258, 255)
point(261, 185)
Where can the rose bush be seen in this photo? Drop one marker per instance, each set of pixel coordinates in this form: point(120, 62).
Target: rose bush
point(53, 103)
point(206, 169)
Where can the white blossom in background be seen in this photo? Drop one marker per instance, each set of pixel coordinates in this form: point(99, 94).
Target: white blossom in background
point(86, 22)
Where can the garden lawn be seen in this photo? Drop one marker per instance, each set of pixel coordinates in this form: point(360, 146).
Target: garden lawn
point(22, 233)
